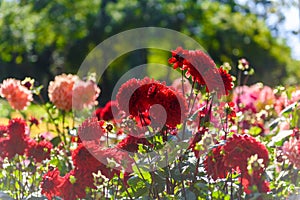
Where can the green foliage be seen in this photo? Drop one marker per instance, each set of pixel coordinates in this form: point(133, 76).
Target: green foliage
point(41, 38)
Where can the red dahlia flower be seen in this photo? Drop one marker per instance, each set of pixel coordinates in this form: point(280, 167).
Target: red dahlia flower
point(214, 163)
point(83, 159)
point(136, 97)
point(107, 112)
point(239, 148)
point(51, 181)
point(74, 184)
point(198, 65)
point(178, 56)
point(39, 151)
point(17, 140)
point(202, 69)
point(17, 129)
point(12, 147)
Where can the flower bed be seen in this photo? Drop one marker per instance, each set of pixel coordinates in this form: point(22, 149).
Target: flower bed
point(201, 138)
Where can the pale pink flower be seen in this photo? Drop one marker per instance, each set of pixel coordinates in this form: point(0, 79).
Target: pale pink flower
point(280, 103)
point(69, 91)
point(60, 91)
point(290, 149)
point(253, 98)
point(264, 94)
point(244, 99)
point(295, 96)
point(17, 95)
point(85, 94)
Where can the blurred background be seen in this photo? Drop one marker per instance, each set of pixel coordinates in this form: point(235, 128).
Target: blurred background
point(43, 38)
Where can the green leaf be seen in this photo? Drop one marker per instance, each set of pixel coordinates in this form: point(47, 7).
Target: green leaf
point(190, 195)
point(274, 123)
point(56, 141)
point(255, 130)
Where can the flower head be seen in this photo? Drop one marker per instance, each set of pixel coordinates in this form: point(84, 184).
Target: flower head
point(85, 94)
point(291, 150)
point(17, 95)
point(130, 143)
point(51, 181)
point(202, 69)
point(214, 163)
point(39, 151)
point(83, 159)
point(74, 184)
point(17, 139)
point(90, 129)
point(60, 91)
point(136, 98)
point(239, 148)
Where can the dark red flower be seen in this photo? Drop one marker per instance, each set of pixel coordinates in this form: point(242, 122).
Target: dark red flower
point(227, 80)
point(83, 159)
point(39, 151)
point(113, 161)
point(178, 56)
point(11, 146)
point(239, 148)
point(107, 112)
point(75, 183)
point(90, 129)
point(197, 65)
point(17, 129)
point(136, 98)
point(202, 69)
point(51, 181)
point(214, 163)
point(34, 121)
point(127, 93)
point(131, 143)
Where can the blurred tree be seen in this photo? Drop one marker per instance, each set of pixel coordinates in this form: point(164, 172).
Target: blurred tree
point(41, 38)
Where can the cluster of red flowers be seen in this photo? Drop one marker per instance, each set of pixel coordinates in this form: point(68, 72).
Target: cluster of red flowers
point(89, 158)
point(234, 156)
point(15, 140)
point(202, 69)
point(136, 97)
point(73, 185)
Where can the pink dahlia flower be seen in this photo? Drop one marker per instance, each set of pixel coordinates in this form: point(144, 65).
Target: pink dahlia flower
point(17, 95)
point(290, 149)
point(85, 94)
point(60, 91)
point(68, 90)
